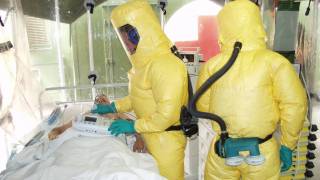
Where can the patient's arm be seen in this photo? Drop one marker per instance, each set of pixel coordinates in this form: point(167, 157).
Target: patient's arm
point(55, 132)
point(100, 99)
point(139, 145)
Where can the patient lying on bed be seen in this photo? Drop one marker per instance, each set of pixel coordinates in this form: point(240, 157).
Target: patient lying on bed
point(138, 146)
point(71, 156)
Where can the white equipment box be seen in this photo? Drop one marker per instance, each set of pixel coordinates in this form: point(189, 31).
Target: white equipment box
point(93, 124)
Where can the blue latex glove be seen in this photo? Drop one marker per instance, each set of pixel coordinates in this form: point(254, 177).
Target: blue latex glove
point(121, 126)
point(286, 158)
point(104, 108)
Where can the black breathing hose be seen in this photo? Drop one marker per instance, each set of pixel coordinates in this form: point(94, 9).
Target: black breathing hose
point(206, 85)
point(257, 3)
point(175, 51)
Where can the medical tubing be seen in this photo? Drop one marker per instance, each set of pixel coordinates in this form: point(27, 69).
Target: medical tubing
point(206, 85)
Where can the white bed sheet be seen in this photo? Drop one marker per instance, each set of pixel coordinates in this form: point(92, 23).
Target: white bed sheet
point(81, 158)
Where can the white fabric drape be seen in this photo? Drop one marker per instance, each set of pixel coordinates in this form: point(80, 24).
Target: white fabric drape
point(19, 113)
point(19, 90)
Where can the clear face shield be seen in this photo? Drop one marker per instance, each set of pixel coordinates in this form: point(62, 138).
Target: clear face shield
point(129, 37)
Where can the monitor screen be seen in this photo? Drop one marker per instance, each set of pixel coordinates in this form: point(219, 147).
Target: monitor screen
point(90, 119)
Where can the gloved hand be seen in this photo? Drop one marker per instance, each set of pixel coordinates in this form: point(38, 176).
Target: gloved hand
point(121, 126)
point(104, 108)
point(286, 158)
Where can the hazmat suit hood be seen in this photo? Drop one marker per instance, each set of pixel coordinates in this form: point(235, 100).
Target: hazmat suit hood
point(233, 18)
point(139, 14)
point(158, 85)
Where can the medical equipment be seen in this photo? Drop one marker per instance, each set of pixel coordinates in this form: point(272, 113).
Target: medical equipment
point(89, 5)
point(93, 76)
point(162, 6)
point(92, 124)
point(36, 138)
point(233, 146)
point(54, 116)
point(191, 59)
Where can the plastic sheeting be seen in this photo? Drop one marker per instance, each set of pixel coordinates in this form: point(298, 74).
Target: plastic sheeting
point(268, 15)
point(286, 25)
point(19, 92)
point(308, 55)
point(82, 158)
point(306, 48)
point(19, 114)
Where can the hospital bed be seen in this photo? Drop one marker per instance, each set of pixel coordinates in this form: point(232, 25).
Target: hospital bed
point(78, 156)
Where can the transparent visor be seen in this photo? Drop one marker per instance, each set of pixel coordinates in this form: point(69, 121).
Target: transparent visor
point(130, 37)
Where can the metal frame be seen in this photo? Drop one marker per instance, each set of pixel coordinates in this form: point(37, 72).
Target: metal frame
point(97, 86)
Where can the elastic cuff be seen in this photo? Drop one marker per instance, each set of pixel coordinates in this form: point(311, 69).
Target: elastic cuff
point(94, 108)
point(136, 122)
point(287, 147)
point(114, 108)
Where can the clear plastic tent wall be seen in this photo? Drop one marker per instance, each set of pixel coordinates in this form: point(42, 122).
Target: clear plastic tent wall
point(51, 60)
point(307, 47)
point(19, 91)
point(268, 15)
point(308, 55)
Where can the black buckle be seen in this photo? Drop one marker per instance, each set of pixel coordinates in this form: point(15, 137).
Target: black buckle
point(188, 125)
point(188, 122)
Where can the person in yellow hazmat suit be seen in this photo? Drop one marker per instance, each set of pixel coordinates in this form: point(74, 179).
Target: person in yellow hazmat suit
point(260, 91)
point(158, 87)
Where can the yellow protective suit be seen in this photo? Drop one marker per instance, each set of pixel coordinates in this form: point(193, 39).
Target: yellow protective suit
point(157, 87)
point(260, 91)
